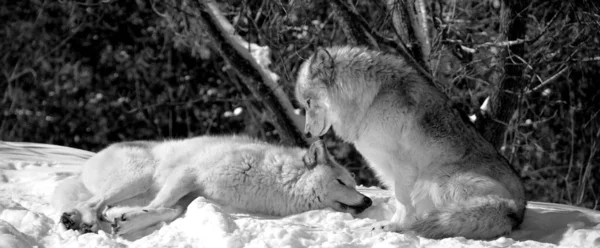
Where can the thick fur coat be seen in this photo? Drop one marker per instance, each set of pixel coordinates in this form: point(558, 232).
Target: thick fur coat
point(447, 179)
point(134, 185)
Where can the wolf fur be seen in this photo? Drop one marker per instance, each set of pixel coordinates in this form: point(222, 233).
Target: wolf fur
point(447, 179)
point(134, 185)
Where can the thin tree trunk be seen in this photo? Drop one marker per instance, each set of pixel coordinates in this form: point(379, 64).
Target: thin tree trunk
point(409, 18)
point(505, 101)
point(200, 13)
point(268, 77)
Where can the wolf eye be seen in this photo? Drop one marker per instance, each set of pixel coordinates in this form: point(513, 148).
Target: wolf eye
point(340, 181)
point(308, 103)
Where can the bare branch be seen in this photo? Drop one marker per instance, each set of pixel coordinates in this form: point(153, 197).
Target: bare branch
point(20, 74)
point(547, 81)
point(588, 169)
point(597, 58)
point(487, 44)
point(423, 30)
point(400, 26)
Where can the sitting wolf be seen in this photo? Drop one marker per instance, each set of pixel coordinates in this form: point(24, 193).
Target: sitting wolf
point(138, 184)
point(447, 179)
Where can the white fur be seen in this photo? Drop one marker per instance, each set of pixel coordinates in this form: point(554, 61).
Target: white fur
point(436, 164)
point(152, 182)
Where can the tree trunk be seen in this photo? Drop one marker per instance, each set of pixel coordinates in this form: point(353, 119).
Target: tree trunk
point(409, 19)
point(504, 102)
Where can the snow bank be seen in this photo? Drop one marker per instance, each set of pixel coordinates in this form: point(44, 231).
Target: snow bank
point(27, 219)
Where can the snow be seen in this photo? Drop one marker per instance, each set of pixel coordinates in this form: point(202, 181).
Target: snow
point(27, 219)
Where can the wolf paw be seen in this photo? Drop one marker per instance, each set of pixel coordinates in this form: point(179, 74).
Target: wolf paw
point(71, 220)
point(114, 216)
point(117, 224)
point(123, 219)
point(88, 228)
point(74, 220)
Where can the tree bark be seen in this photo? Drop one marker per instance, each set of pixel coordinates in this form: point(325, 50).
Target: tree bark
point(505, 101)
point(409, 19)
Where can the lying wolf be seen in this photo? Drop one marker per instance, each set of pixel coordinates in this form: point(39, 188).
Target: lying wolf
point(138, 184)
point(447, 179)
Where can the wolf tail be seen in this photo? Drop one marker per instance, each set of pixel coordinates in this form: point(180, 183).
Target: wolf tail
point(479, 218)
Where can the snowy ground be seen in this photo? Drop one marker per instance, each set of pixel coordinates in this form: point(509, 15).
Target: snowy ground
point(27, 219)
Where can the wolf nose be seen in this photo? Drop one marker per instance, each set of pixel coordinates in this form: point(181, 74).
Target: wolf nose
point(308, 135)
point(367, 201)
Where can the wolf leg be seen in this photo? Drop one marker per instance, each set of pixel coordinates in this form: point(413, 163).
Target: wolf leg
point(405, 213)
point(126, 220)
point(162, 209)
point(84, 217)
point(403, 217)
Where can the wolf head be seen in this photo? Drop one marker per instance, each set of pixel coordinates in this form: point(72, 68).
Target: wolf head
point(335, 89)
point(312, 92)
point(331, 183)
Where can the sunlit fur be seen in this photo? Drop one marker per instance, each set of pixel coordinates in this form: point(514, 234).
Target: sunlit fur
point(448, 181)
point(157, 179)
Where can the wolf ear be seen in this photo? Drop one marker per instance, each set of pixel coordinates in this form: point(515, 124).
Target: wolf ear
point(316, 154)
point(321, 59)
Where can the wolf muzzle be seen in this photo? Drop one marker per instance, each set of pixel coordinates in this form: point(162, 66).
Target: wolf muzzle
point(366, 203)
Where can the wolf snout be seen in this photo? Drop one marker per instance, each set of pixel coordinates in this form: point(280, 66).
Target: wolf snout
point(366, 203)
point(308, 135)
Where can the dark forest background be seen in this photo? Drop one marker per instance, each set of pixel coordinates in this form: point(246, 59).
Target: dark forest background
point(85, 74)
